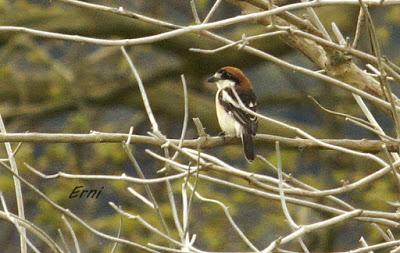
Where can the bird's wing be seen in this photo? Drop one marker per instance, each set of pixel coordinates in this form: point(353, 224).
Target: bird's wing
point(248, 121)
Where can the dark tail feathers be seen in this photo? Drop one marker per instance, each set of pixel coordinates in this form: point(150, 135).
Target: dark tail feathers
point(248, 147)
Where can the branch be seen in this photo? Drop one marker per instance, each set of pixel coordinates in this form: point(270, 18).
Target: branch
point(364, 145)
point(73, 216)
point(17, 187)
point(335, 63)
point(368, 216)
point(200, 28)
point(315, 226)
point(193, 28)
point(146, 102)
point(122, 177)
point(33, 229)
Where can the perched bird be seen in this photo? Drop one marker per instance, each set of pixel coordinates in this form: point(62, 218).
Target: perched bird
point(233, 120)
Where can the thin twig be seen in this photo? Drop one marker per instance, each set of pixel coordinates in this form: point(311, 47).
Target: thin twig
point(21, 230)
point(369, 216)
point(142, 91)
point(386, 89)
point(144, 223)
point(186, 231)
point(382, 135)
point(74, 216)
point(312, 227)
point(194, 12)
point(364, 243)
point(118, 235)
point(174, 211)
point(17, 186)
point(60, 233)
point(71, 231)
point(285, 209)
point(360, 21)
point(123, 177)
point(139, 171)
point(306, 135)
point(212, 11)
point(317, 22)
point(344, 115)
point(141, 197)
point(232, 222)
point(186, 114)
point(240, 42)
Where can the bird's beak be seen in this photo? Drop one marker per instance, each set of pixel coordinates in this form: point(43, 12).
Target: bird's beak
point(213, 79)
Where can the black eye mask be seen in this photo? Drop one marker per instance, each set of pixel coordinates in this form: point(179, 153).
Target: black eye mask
point(228, 76)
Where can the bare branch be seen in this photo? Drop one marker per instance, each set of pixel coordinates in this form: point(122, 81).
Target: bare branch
point(73, 216)
point(308, 228)
point(123, 177)
point(142, 91)
point(18, 189)
point(364, 145)
point(71, 231)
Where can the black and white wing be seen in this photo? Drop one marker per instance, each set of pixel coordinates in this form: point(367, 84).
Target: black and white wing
point(248, 121)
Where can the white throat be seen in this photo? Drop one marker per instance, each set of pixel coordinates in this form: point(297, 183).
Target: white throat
point(222, 84)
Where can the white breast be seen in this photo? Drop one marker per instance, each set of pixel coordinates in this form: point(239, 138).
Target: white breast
point(226, 121)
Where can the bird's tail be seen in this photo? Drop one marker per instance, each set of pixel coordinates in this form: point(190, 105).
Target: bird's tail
point(248, 147)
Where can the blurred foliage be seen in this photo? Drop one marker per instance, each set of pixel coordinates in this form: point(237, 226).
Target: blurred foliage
point(56, 86)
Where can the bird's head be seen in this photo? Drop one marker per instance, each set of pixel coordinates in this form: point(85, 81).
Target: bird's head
point(230, 77)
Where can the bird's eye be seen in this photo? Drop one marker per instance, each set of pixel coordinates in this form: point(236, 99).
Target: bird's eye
point(226, 75)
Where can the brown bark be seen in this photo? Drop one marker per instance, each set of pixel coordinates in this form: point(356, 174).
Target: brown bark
point(334, 62)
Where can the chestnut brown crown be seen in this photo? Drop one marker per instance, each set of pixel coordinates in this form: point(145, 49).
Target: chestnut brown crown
point(232, 74)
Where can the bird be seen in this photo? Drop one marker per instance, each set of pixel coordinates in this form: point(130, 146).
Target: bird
point(233, 120)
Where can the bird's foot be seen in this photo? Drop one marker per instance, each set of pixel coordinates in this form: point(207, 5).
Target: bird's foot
point(223, 135)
